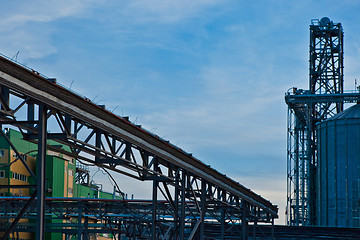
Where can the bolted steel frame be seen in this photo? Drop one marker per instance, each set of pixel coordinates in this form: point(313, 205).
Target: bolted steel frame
point(306, 108)
point(195, 194)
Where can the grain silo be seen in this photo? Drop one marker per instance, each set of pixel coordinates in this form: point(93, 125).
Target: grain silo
point(338, 172)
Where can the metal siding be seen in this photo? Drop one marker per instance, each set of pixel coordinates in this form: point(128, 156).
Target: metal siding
point(85, 191)
point(58, 170)
point(331, 189)
point(323, 179)
point(21, 145)
point(105, 195)
point(340, 167)
point(354, 176)
point(339, 173)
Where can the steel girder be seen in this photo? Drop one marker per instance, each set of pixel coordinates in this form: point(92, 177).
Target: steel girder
point(193, 191)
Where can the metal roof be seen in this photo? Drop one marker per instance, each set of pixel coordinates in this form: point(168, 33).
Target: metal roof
point(350, 113)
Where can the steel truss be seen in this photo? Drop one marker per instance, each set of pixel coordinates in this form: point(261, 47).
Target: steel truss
point(84, 217)
point(195, 194)
point(308, 107)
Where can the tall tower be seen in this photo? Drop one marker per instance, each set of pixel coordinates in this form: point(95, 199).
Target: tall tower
point(306, 108)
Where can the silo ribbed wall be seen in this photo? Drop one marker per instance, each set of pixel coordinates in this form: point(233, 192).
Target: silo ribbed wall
point(338, 172)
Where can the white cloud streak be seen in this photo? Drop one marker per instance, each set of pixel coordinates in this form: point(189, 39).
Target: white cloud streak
point(27, 26)
point(163, 11)
point(229, 108)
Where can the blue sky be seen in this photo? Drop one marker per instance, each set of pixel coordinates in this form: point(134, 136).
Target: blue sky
point(208, 75)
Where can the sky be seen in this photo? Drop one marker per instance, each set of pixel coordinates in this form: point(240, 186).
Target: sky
point(208, 75)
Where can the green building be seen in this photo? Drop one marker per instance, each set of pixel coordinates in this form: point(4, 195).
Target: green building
point(61, 172)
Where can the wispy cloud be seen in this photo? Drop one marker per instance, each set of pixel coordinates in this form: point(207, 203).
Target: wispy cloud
point(228, 107)
point(163, 11)
point(42, 11)
point(28, 29)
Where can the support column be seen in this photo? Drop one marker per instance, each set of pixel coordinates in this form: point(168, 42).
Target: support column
point(255, 222)
point(86, 226)
point(272, 228)
point(30, 113)
point(203, 209)
point(222, 223)
point(244, 221)
point(176, 216)
point(223, 198)
point(98, 145)
point(154, 202)
point(41, 175)
point(68, 122)
point(79, 233)
point(4, 99)
point(182, 214)
point(5, 95)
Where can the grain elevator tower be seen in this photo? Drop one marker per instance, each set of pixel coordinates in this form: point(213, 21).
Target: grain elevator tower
point(306, 108)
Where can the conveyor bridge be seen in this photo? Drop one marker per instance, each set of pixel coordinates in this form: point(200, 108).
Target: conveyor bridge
point(192, 190)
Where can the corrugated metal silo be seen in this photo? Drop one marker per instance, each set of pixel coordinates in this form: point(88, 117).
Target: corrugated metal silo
point(338, 172)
